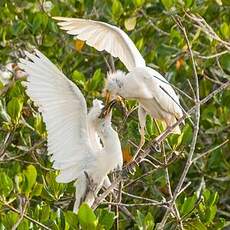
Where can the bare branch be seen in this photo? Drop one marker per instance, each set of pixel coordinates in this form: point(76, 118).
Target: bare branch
point(209, 151)
point(22, 213)
point(195, 132)
point(25, 216)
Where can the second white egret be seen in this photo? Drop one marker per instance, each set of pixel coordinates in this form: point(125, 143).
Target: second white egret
point(73, 134)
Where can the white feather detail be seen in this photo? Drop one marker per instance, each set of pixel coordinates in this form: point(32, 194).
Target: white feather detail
point(103, 36)
point(65, 114)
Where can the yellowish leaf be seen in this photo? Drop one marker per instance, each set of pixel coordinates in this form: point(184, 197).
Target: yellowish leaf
point(126, 152)
point(179, 63)
point(78, 45)
point(130, 23)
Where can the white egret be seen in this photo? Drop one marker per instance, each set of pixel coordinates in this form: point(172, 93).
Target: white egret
point(73, 134)
point(153, 92)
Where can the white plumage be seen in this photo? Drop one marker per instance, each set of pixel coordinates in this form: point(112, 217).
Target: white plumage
point(103, 36)
point(154, 93)
point(73, 134)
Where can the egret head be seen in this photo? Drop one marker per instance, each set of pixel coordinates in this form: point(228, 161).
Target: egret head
point(114, 85)
point(96, 109)
point(95, 115)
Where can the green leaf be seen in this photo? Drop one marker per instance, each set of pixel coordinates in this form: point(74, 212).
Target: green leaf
point(139, 220)
point(211, 213)
point(225, 62)
point(24, 225)
point(87, 218)
point(37, 189)
point(18, 27)
point(14, 108)
point(225, 30)
point(195, 225)
point(149, 222)
point(6, 185)
point(96, 82)
point(45, 213)
point(71, 220)
point(78, 77)
point(40, 21)
point(55, 189)
point(1, 85)
point(30, 179)
point(117, 9)
point(140, 44)
point(17, 90)
point(213, 198)
point(188, 3)
point(150, 126)
point(145, 222)
point(130, 23)
point(138, 3)
point(9, 220)
point(39, 125)
point(186, 134)
point(106, 219)
point(188, 205)
point(167, 3)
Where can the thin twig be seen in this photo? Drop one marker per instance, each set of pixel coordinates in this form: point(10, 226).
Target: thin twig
point(7, 141)
point(119, 197)
point(206, 28)
point(150, 21)
point(213, 55)
point(140, 197)
point(25, 216)
point(22, 214)
point(209, 151)
point(160, 204)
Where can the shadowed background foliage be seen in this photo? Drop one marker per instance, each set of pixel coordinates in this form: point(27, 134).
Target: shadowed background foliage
point(30, 197)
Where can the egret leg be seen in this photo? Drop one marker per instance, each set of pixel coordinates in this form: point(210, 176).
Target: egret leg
point(142, 118)
point(142, 142)
point(141, 115)
point(106, 182)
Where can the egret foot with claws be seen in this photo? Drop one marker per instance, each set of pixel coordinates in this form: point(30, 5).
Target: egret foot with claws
point(155, 147)
point(131, 166)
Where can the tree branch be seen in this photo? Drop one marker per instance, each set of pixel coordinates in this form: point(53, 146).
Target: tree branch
point(195, 132)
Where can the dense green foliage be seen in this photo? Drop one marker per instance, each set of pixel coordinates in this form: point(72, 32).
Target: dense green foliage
point(27, 179)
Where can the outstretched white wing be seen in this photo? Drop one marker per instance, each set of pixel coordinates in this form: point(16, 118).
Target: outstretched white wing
point(103, 36)
point(64, 111)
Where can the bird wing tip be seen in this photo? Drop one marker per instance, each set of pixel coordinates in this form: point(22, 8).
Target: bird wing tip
point(58, 18)
point(64, 19)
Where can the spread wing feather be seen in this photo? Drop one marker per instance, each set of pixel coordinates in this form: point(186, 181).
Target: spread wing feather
point(64, 111)
point(103, 36)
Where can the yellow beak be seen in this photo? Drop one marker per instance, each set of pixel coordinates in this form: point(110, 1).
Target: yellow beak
point(108, 107)
point(107, 97)
point(109, 104)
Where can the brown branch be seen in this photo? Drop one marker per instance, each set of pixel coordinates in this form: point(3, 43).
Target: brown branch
point(22, 213)
point(7, 141)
